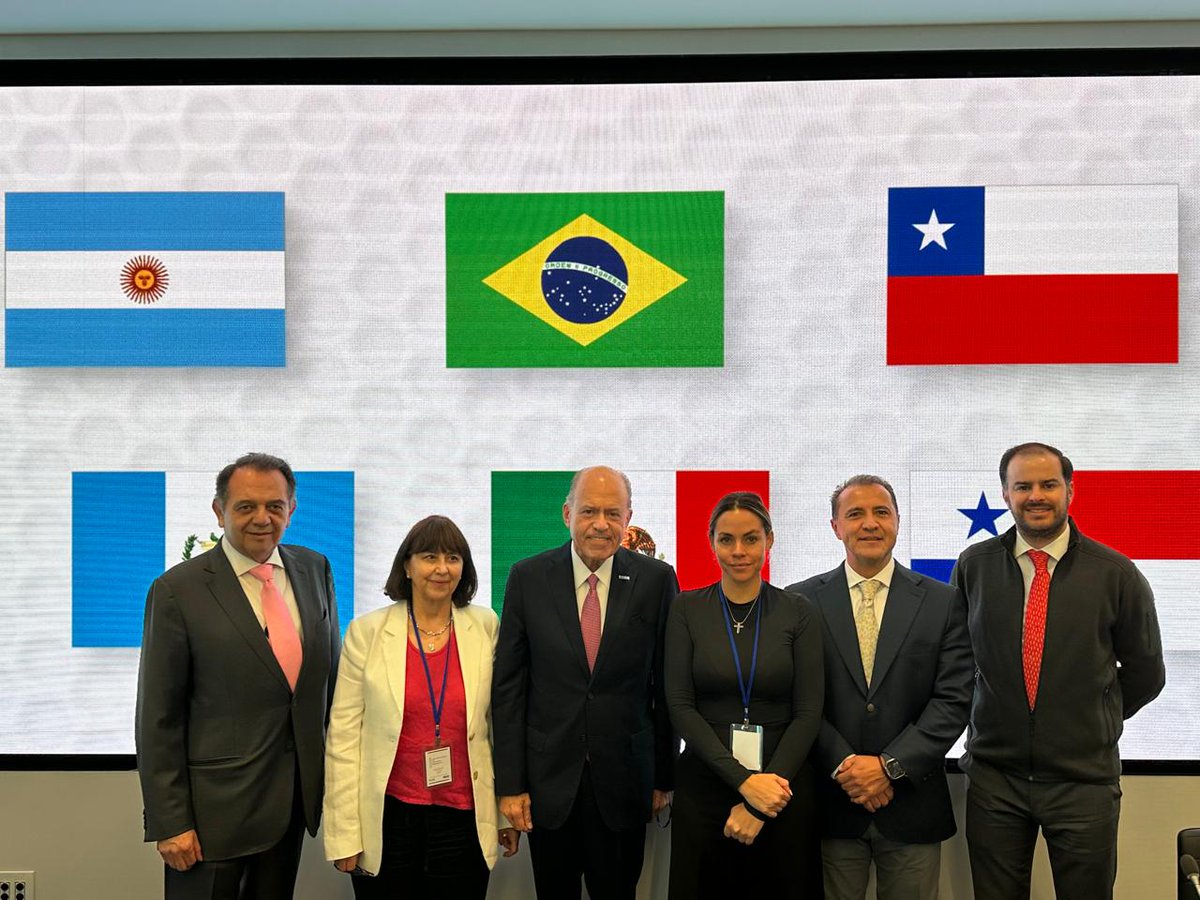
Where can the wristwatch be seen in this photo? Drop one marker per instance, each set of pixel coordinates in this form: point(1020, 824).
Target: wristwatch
point(891, 767)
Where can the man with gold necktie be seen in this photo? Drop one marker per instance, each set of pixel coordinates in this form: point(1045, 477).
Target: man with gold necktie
point(239, 657)
point(897, 686)
point(1067, 647)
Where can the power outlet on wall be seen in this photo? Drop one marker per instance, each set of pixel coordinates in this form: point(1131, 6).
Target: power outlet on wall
point(16, 886)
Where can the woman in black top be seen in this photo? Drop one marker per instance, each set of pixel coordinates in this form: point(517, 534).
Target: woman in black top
point(737, 827)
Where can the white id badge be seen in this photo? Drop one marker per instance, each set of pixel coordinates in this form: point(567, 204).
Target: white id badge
point(745, 743)
point(437, 767)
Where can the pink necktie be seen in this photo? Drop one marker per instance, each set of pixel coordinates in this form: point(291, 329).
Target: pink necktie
point(281, 631)
point(1035, 623)
point(589, 621)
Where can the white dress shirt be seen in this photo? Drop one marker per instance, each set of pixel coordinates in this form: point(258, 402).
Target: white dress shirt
point(604, 574)
point(1056, 548)
point(252, 587)
point(884, 577)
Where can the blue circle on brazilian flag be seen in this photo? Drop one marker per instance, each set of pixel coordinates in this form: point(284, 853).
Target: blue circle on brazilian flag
point(584, 280)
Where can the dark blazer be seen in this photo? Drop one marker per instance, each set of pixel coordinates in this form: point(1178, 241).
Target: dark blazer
point(915, 709)
point(220, 737)
point(550, 714)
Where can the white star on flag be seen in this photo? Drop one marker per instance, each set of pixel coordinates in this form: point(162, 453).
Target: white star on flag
point(934, 231)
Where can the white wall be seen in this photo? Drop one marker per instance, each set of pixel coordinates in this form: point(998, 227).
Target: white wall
point(81, 833)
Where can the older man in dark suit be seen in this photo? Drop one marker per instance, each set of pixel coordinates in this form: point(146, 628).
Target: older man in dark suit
point(584, 751)
point(898, 674)
point(239, 654)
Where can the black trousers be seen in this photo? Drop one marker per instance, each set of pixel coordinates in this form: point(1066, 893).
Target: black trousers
point(429, 853)
point(609, 862)
point(1078, 821)
point(267, 875)
point(783, 862)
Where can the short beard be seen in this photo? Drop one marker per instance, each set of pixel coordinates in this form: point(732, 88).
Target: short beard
point(1039, 534)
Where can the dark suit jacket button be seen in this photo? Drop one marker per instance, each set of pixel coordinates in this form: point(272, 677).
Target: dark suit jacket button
point(591, 696)
point(870, 707)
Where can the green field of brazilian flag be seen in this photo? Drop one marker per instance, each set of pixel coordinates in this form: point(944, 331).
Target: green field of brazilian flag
point(585, 279)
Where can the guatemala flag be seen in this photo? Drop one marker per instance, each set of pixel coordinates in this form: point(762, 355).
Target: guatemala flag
point(193, 278)
point(127, 528)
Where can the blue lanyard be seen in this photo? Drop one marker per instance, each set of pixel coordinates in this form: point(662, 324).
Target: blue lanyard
point(745, 687)
point(437, 705)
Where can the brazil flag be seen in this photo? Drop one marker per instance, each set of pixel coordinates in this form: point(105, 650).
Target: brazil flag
point(616, 279)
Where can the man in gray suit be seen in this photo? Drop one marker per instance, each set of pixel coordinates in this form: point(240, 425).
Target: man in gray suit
point(239, 655)
point(898, 672)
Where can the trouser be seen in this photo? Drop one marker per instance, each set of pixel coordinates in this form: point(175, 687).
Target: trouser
point(429, 852)
point(902, 871)
point(609, 862)
point(267, 875)
point(1078, 821)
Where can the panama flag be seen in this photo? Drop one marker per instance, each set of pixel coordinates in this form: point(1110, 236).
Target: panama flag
point(670, 518)
point(1033, 274)
point(1121, 509)
point(193, 278)
point(127, 528)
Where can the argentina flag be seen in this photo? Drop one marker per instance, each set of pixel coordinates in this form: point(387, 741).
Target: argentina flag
point(192, 278)
point(157, 519)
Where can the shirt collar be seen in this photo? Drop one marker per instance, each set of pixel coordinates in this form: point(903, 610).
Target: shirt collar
point(604, 573)
point(884, 576)
point(242, 563)
point(1056, 548)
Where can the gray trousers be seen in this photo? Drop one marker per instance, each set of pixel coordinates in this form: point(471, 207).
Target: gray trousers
point(1078, 821)
point(902, 871)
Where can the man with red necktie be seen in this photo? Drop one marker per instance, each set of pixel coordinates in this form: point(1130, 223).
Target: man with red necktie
point(1067, 647)
point(584, 749)
point(239, 657)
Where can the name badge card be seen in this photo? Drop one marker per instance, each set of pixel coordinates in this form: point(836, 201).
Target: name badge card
point(746, 745)
point(437, 767)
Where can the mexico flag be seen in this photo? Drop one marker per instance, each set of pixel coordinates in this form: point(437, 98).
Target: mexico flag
point(670, 518)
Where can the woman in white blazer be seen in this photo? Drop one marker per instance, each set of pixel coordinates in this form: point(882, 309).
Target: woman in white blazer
point(410, 803)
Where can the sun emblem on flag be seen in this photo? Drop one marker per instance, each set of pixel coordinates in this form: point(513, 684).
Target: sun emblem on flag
point(144, 279)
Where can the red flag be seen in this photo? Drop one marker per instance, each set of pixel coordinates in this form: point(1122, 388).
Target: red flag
point(696, 493)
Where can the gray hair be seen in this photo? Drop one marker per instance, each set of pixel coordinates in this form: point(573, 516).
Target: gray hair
point(575, 479)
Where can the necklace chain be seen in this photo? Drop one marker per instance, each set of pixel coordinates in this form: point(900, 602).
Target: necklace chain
point(738, 626)
point(434, 635)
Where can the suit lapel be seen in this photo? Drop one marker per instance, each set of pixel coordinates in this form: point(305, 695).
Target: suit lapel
point(620, 591)
point(470, 655)
point(225, 588)
point(562, 595)
point(834, 599)
point(904, 598)
point(302, 579)
point(393, 646)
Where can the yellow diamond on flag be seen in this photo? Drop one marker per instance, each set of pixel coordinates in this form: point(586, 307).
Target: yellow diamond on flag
point(584, 288)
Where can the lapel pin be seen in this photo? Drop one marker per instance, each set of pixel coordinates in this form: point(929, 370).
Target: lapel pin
point(622, 577)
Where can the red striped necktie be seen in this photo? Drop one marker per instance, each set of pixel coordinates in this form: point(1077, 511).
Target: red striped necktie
point(589, 621)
